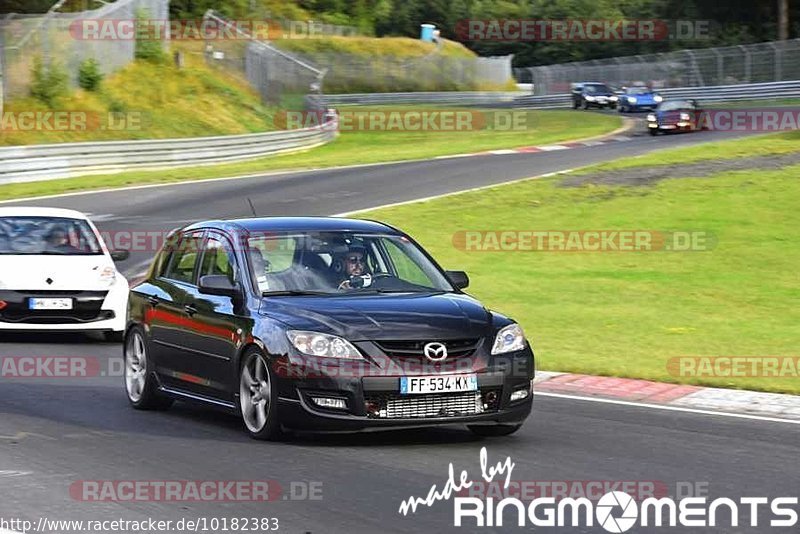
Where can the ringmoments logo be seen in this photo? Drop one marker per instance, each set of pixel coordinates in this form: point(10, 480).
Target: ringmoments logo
point(615, 511)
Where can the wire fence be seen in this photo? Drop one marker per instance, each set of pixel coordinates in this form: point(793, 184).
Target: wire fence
point(756, 63)
point(282, 79)
point(53, 38)
point(349, 73)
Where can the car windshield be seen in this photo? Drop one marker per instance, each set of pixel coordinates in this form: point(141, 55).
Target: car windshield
point(675, 105)
point(340, 263)
point(60, 236)
point(638, 90)
point(597, 88)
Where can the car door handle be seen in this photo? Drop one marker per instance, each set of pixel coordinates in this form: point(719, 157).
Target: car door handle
point(190, 309)
point(152, 300)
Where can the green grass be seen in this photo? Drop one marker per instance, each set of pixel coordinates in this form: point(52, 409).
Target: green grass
point(190, 102)
point(374, 47)
point(352, 148)
point(627, 313)
point(782, 143)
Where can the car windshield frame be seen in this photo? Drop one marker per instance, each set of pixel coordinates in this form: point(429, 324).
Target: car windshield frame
point(313, 263)
point(597, 88)
point(638, 91)
point(36, 235)
point(676, 105)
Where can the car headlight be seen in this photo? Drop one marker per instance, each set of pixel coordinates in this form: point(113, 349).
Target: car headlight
point(632, 99)
point(614, 98)
point(509, 339)
point(108, 275)
point(323, 345)
point(685, 117)
point(658, 98)
point(589, 98)
point(651, 117)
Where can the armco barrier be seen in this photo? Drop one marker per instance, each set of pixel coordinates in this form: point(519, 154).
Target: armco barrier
point(718, 93)
point(47, 162)
point(445, 98)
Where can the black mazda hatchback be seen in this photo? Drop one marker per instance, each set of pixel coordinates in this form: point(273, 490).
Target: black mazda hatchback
point(321, 324)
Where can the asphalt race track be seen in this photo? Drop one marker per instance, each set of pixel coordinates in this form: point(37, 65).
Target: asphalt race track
point(57, 432)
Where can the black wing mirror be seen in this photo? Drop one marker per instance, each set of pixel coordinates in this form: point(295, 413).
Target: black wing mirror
point(458, 279)
point(218, 284)
point(120, 254)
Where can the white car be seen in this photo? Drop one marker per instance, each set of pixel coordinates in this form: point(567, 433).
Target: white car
point(56, 274)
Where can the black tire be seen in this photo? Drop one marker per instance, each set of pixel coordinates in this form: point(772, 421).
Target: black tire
point(654, 131)
point(490, 431)
point(575, 104)
point(142, 394)
point(621, 109)
point(585, 104)
point(257, 381)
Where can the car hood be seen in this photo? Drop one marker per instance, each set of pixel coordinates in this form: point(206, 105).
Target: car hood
point(384, 316)
point(32, 272)
point(645, 97)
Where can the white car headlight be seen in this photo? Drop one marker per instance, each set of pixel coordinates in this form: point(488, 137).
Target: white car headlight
point(632, 99)
point(658, 98)
point(685, 117)
point(108, 275)
point(651, 117)
point(509, 339)
point(589, 98)
point(323, 345)
point(614, 98)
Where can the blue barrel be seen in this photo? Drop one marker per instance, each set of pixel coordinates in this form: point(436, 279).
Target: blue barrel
point(426, 32)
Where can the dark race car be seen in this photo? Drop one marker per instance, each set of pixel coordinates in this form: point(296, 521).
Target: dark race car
point(675, 116)
point(321, 324)
point(638, 98)
point(593, 94)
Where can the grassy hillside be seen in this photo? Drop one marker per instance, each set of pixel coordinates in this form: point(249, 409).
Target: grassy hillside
point(399, 47)
point(193, 101)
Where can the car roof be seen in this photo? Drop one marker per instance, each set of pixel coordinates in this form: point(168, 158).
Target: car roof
point(297, 224)
point(26, 211)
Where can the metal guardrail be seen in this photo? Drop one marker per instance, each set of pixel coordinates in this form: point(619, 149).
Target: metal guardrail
point(718, 93)
point(47, 162)
point(466, 98)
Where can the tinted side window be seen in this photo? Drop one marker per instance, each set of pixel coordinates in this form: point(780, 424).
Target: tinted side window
point(182, 264)
point(217, 259)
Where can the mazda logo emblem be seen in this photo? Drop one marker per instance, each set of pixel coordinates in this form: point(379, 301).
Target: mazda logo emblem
point(435, 352)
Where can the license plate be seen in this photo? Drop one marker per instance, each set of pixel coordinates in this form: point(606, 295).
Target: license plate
point(669, 126)
point(50, 304)
point(438, 384)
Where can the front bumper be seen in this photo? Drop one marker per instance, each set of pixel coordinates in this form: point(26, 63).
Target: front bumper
point(374, 402)
point(92, 310)
point(681, 126)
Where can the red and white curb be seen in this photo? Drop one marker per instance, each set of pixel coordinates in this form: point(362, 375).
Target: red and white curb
point(541, 148)
point(730, 402)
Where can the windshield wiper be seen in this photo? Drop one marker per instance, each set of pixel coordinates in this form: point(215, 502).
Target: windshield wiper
point(291, 293)
point(381, 290)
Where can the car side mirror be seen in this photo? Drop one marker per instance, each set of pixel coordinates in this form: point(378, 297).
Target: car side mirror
point(218, 284)
point(458, 279)
point(120, 254)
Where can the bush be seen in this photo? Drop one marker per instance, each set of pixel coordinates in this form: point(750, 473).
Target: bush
point(147, 48)
point(89, 75)
point(48, 82)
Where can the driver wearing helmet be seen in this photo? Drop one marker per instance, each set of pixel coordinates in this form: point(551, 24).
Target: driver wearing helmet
point(352, 266)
